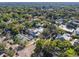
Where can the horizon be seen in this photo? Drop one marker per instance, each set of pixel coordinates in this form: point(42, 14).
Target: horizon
point(55, 4)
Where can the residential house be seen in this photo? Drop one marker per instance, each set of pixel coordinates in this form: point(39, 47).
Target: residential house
point(63, 27)
point(73, 24)
point(3, 55)
point(2, 38)
point(76, 22)
point(76, 32)
point(75, 42)
point(59, 21)
point(59, 36)
point(35, 31)
point(24, 37)
point(65, 36)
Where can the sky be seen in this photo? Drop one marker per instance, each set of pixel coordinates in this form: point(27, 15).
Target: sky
point(39, 0)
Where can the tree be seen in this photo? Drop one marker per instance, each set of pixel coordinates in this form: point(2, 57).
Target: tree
point(2, 25)
point(70, 52)
point(2, 46)
point(45, 34)
point(19, 41)
point(51, 48)
point(15, 27)
point(77, 49)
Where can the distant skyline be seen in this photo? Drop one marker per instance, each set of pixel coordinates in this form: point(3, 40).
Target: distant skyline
point(39, 3)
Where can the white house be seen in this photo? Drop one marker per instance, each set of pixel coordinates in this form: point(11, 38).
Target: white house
point(36, 31)
point(2, 38)
point(24, 37)
point(76, 32)
point(75, 42)
point(59, 36)
point(60, 21)
point(63, 27)
point(64, 36)
point(67, 36)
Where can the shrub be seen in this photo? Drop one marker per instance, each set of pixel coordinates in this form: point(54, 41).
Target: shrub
point(10, 52)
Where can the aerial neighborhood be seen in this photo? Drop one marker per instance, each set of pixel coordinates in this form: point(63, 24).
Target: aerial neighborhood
point(39, 30)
